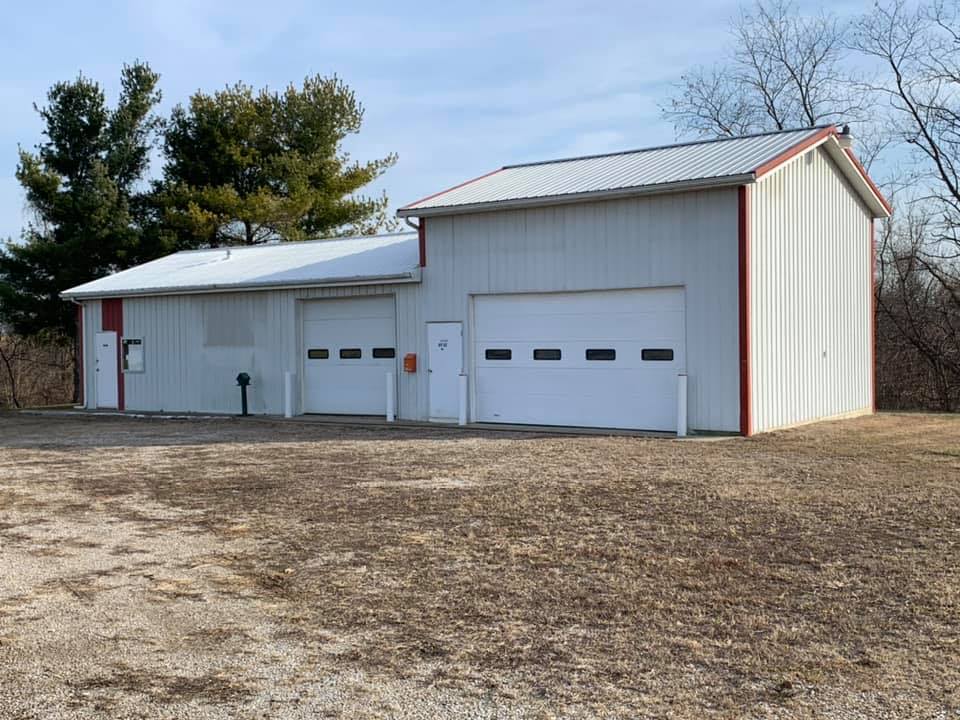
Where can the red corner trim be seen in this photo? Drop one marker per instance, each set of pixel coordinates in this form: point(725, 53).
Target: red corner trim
point(794, 150)
point(873, 186)
point(743, 243)
point(83, 380)
point(422, 238)
point(112, 320)
point(873, 317)
point(413, 205)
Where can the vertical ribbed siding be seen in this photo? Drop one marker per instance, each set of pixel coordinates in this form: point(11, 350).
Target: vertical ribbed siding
point(92, 318)
point(683, 239)
point(810, 295)
point(186, 374)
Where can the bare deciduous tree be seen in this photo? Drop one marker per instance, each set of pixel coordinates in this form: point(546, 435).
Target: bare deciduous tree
point(918, 320)
point(894, 75)
point(917, 49)
point(784, 70)
point(35, 371)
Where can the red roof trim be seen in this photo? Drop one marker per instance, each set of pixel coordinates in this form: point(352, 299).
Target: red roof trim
point(807, 143)
point(412, 206)
point(794, 150)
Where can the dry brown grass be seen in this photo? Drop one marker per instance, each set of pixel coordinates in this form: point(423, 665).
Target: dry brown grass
point(795, 574)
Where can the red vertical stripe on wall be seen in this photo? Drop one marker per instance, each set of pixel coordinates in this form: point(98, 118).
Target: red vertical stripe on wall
point(873, 317)
point(112, 319)
point(743, 243)
point(83, 380)
point(422, 236)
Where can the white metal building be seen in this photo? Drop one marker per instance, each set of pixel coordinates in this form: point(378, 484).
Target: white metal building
point(600, 291)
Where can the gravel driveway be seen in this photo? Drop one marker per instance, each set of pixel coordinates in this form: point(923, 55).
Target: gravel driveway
point(232, 569)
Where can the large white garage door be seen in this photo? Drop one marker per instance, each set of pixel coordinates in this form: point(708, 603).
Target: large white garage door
point(592, 359)
point(349, 346)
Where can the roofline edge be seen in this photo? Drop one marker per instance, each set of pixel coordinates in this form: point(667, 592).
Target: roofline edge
point(615, 194)
point(413, 276)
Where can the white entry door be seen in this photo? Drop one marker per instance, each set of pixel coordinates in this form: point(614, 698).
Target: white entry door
point(594, 359)
point(349, 347)
point(106, 370)
point(444, 365)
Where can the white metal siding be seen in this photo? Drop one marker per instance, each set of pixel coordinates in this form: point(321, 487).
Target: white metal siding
point(683, 240)
point(191, 369)
point(92, 321)
point(810, 295)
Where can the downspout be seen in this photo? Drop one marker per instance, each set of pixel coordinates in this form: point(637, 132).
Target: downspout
point(421, 229)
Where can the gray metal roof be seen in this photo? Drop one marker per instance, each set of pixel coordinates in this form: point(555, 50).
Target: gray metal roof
point(703, 163)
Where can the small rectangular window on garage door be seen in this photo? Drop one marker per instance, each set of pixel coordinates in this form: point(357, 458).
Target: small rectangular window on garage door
point(498, 354)
point(663, 354)
point(384, 353)
point(350, 353)
point(601, 354)
point(318, 353)
point(546, 354)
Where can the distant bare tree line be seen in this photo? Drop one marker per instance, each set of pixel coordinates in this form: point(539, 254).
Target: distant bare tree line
point(35, 371)
point(893, 74)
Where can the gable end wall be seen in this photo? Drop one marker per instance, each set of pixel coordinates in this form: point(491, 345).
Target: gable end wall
point(811, 290)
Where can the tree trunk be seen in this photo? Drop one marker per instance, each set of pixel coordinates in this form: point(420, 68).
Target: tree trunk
point(12, 376)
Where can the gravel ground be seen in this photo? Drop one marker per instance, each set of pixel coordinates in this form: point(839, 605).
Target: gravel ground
point(224, 569)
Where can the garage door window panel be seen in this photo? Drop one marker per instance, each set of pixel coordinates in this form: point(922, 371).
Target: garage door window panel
point(657, 355)
point(350, 353)
point(384, 353)
point(606, 354)
point(498, 354)
point(547, 354)
point(318, 354)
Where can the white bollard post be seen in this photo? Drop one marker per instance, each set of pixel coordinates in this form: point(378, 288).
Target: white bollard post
point(681, 405)
point(462, 417)
point(288, 394)
point(391, 399)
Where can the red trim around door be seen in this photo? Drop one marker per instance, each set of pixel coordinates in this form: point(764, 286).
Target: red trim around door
point(112, 320)
point(873, 317)
point(422, 238)
point(743, 243)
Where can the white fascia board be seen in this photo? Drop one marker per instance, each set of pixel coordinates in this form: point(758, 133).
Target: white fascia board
point(413, 276)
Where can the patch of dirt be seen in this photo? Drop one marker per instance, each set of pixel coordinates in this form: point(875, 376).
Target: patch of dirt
point(229, 568)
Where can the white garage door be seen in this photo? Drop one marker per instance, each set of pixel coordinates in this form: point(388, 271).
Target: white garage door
point(592, 359)
point(349, 346)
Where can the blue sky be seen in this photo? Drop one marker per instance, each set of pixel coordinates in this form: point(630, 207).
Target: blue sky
point(455, 89)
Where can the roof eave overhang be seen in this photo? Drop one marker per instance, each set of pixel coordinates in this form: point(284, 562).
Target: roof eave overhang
point(858, 177)
point(413, 276)
point(533, 202)
point(846, 161)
